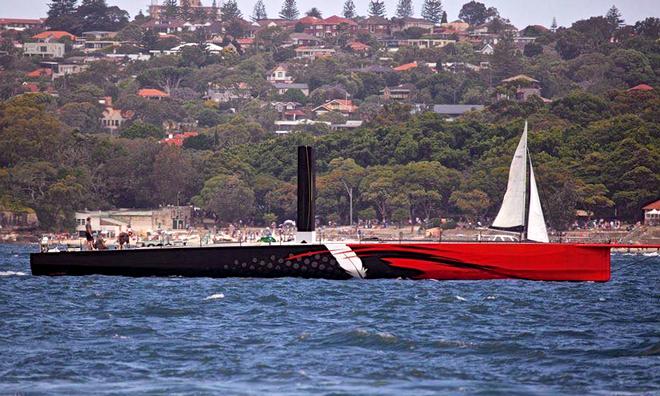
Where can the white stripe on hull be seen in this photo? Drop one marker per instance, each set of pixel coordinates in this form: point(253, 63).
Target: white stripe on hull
point(347, 259)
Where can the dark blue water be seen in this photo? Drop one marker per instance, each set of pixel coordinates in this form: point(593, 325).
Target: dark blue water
point(247, 336)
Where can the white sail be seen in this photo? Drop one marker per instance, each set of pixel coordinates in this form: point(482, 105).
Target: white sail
point(536, 230)
point(512, 212)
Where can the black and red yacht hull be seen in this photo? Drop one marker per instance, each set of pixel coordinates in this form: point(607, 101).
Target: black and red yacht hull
point(442, 261)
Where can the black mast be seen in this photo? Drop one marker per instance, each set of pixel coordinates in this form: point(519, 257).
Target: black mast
point(306, 188)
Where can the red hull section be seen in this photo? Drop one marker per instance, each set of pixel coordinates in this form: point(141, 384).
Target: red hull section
point(474, 261)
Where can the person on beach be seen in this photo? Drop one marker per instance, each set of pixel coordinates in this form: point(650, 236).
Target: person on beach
point(88, 234)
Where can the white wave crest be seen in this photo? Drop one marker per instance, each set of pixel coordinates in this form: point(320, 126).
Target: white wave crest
point(12, 273)
point(215, 296)
point(459, 298)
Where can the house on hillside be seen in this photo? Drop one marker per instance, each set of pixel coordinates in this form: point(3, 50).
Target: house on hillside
point(224, 94)
point(64, 69)
point(343, 106)
point(279, 75)
point(519, 88)
point(652, 214)
point(275, 22)
point(401, 92)
point(152, 93)
point(487, 49)
point(425, 43)
point(164, 26)
point(452, 111)
point(288, 110)
point(52, 35)
point(305, 39)
point(313, 52)
point(282, 88)
point(20, 24)
point(113, 119)
point(376, 26)
point(401, 24)
point(329, 27)
point(44, 49)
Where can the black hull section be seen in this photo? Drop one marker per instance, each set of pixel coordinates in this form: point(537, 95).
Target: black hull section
point(304, 261)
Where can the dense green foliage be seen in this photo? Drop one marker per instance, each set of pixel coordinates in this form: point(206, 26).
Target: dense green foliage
point(595, 147)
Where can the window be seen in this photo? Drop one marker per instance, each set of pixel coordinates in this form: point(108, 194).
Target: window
point(43, 48)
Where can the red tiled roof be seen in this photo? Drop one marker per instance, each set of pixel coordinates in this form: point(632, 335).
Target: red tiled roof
point(641, 87)
point(31, 87)
point(150, 92)
point(309, 20)
point(245, 41)
point(405, 67)
point(336, 20)
point(358, 46)
point(55, 34)
point(177, 140)
point(651, 206)
point(41, 72)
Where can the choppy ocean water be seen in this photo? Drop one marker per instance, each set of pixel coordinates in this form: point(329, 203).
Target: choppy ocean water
point(115, 335)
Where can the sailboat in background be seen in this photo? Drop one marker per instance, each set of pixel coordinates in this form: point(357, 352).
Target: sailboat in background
point(521, 207)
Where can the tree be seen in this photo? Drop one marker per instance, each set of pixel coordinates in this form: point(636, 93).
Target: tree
point(61, 14)
point(81, 116)
point(149, 39)
point(424, 186)
point(171, 9)
point(613, 16)
point(344, 178)
point(96, 15)
point(532, 49)
point(631, 66)
point(505, 61)
point(289, 10)
point(404, 9)
point(476, 13)
point(173, 176)
point(58, 8)
point(473, 204)
point(166, 78)
point(432, 10)
point(228, 196)
point(377, 8)
point(141, 130)
point(378, 188)
point(214, 11)
point(349, 9)
point(199, 14)
point(184, 10)
point(649, 27)
point(230, 11)
point(570, 44)
point(314, 12)
point(594, 196)
point(259, 11)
